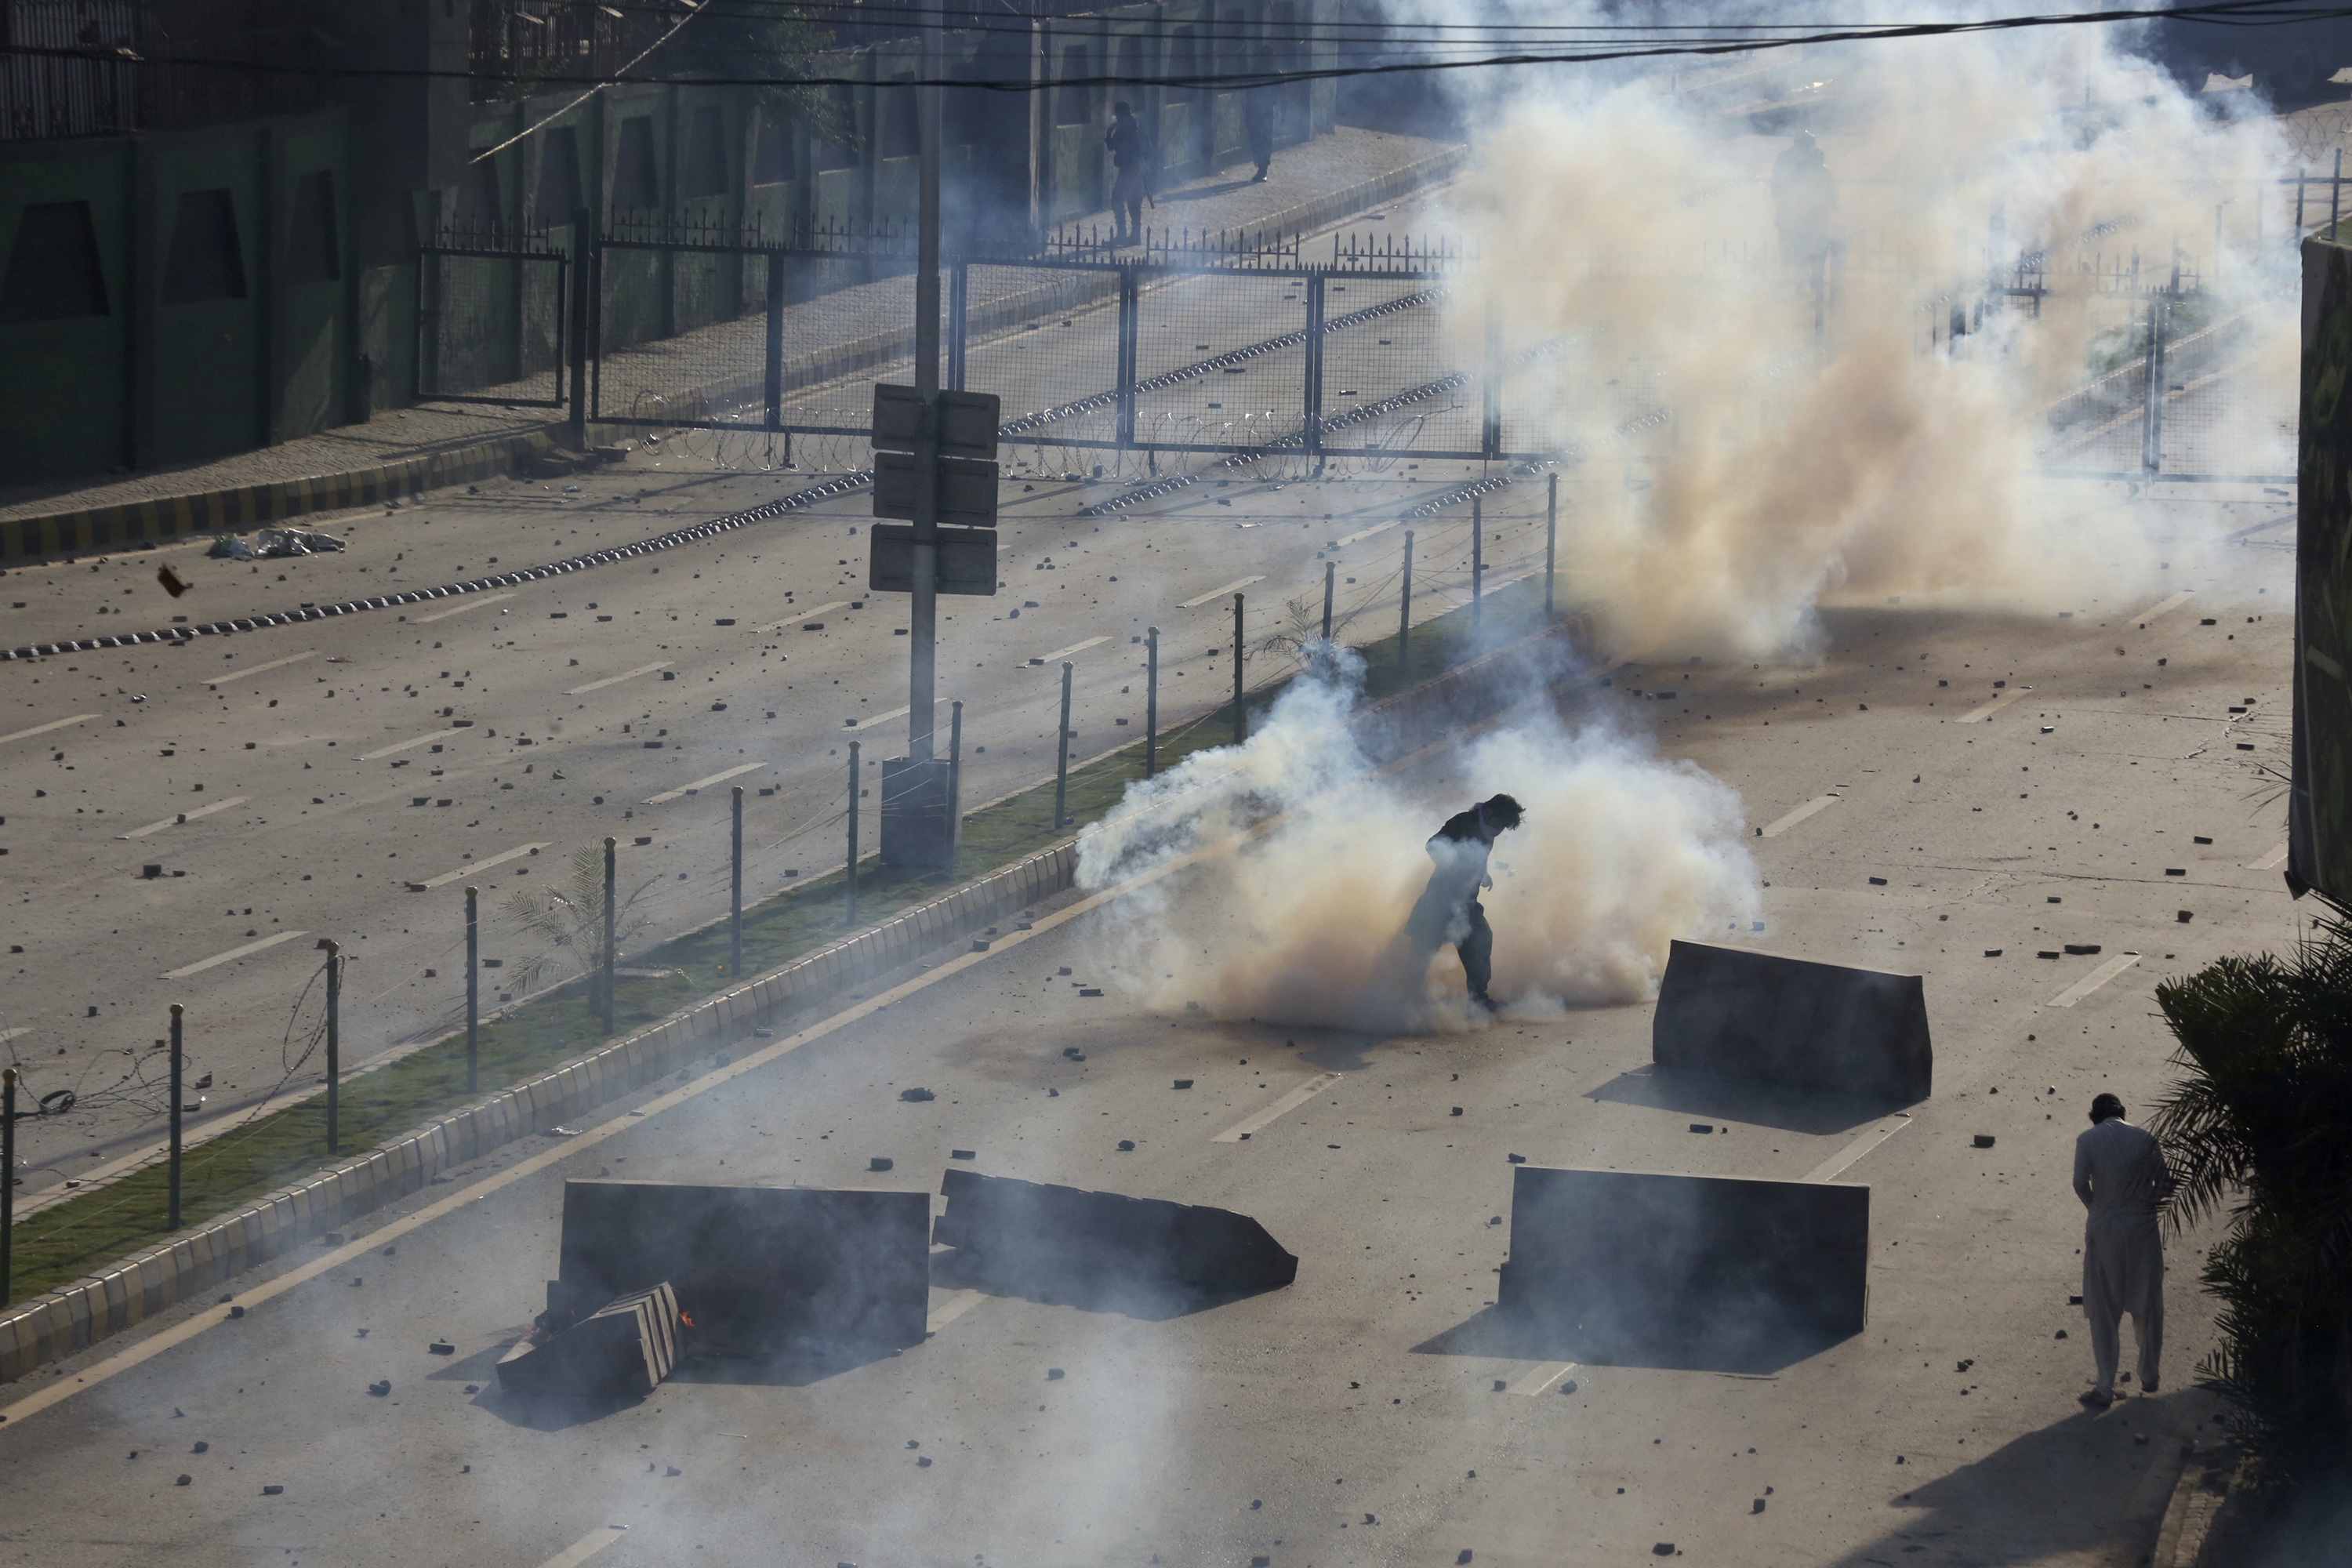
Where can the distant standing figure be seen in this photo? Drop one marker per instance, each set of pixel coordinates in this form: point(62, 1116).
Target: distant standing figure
point(1804, 203)
point(1132, 157)
point(1258, 128)
point(1448, 911)
point(2119, 1175)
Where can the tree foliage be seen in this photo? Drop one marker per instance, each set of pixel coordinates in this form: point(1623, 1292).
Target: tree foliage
point(2259, 1125)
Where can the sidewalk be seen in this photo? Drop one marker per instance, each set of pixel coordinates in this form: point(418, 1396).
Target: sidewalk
point(403, 452)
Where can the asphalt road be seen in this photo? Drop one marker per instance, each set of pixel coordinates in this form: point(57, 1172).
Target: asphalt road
point(1361, 1414)
point(321, 769)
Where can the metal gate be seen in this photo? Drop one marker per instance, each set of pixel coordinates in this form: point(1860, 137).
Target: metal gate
point(493, 311)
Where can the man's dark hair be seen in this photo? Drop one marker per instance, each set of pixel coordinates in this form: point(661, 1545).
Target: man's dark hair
point(2104, 1108)
point(1502, 811)
point(1122, 107)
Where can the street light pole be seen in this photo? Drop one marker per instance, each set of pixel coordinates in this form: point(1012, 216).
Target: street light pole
point(922, 636)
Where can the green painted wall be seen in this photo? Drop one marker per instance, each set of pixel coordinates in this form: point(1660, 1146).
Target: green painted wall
point(65, 385)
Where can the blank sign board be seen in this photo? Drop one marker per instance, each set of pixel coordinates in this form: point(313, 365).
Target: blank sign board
point(1793, 1023)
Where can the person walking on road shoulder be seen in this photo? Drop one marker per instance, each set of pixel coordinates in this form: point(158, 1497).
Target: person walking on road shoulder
point(1448, 911)
point(2120, 1177)
point(1258, 128)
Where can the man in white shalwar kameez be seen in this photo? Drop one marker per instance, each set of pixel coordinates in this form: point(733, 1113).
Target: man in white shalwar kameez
point(2119, 1175)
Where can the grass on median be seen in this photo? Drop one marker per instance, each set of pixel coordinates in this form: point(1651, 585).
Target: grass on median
point(70, 1240)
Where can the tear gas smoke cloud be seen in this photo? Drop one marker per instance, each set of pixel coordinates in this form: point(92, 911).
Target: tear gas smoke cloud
point(1791, 457)
point(1296, 918)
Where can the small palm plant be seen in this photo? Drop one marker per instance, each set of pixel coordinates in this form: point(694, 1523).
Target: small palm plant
point(568, 923)
point(2260, 1122)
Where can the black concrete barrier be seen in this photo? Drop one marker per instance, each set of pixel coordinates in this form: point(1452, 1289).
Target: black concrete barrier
point(621, 1351)
point(1614, 1263)
point(1793, 1023)
point(1066, 1241)
point(757, 1269)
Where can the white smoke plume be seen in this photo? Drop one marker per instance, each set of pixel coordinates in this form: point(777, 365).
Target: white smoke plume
point(1306, 859)
point(1749, 452)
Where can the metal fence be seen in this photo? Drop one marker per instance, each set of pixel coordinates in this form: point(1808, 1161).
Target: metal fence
point(493, 311)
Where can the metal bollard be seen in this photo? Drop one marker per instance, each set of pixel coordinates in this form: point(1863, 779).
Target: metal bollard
point(1328, 568)
point(473, 991)
point(735, 896)
point(178, 1078)
point(1477, 562)
point(1241, 714)
point(1551, 543)
point(1405, 613)
point(7, 1180)
point(1062, 756)
point(611, 938)
point(955, 781)
point(334, 1048)
point(1150, 702)
point(853, 776)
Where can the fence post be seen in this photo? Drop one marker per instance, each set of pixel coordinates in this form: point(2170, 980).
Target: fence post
point(2300, 177)
point(474, 991)
point(735, 896)
point(1312, 404)
point(334, 1048)
point(2335, 209)
point(1328, 568)
point(955, 780)
point(1062, 755)
point(7, 1182)
point(1129, 309)
point(1477, 563)
point(611, 981)
point(592, 279)
point(1551, 541)
point(1404, 611)
point(853, 776)
point(959, 294)
point(1150, 702)
point(575, 324)
point(2151, 451)
point(178, 1080)
point(775, 325)
point(1490, 419)
point(1241, 714)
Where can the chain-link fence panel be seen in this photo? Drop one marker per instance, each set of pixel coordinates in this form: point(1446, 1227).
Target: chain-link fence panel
point(1045, 340)
point(2231, 395)
point(490, 326)
point(1392, 383)
point(1220, 360)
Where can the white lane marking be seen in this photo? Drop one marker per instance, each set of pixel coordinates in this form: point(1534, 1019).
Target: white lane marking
point(45, 729)
point(1366, 533)
point(404, 745)
point(258, 668)
point(806, 617)
point(470, 605)
point(1233, 587)
point(1283, 1107)
point(1993, 707)
point(2268, 861)
point(1539, 1379)
point(187, 817)
point(1831, 1169)
point(517, 853)
point(1063, 653)
point(6, 1035)
point(2093, 981)
point(617, 680)
point(872, 719)
point(57, 1392)
point(587, 1546)
point(1818, 802)
point(705, 783)
point(202, 965)
point(2153, 611)
point(950, 1309)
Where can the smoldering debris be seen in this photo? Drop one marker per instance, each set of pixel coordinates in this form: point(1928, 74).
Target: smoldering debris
point(1306, 859)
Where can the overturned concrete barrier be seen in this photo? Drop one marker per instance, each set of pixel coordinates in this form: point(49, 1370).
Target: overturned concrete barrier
point(756, 1268)
point(621, 1351)
point(1066, 1238)
point(1629, 1259)
point(1793, 1023)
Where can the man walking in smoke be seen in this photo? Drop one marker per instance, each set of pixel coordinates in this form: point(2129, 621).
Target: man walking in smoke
point(1804, 204)
point(1133, 155)
point(1448, 909)
point(2119, 1175)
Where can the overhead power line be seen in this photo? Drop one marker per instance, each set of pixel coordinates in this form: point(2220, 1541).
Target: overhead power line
point(2243, 13)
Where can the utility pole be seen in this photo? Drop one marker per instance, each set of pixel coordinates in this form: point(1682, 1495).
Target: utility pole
point(922, 634)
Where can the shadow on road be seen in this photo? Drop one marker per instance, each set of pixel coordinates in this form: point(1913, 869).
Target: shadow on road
point(1807, 1112)
point(1106, 1290)
point(1742, 1349)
